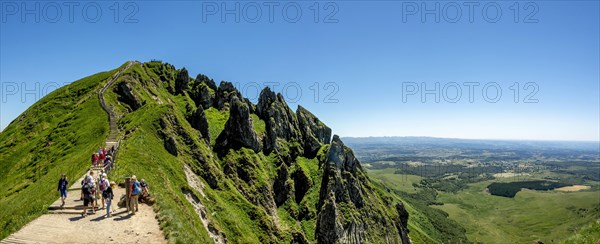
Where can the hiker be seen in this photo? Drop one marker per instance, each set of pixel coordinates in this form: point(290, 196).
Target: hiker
point(97, 191)
point(134, 193)
point(145, 187)
point(94, 159)
point(108, 162)
point(104, 151)
point(101, 158)
point(62, 188)
point(107, 195)
point(92, 187)
point(103, 185)
point(88, 195)
point(112, 149)
point(145, 193)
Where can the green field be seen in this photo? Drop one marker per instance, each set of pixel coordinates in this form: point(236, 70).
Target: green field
point(531, 215)
point(398, 181)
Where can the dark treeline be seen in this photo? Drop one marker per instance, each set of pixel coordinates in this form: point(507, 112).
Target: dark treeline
point(510, 189)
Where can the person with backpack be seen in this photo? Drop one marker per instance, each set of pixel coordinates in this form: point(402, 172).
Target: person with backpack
point(92, 184)
point(62, 188)
point(104, 185)
point(108, 195)
point(134, 193)
point(88, 193)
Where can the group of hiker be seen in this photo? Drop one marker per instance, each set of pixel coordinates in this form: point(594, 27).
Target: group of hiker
point(103, 158)
point(100, 189)
point(93, 189)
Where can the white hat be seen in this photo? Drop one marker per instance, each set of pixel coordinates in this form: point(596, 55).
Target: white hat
point(103, 174)
point(133, 177)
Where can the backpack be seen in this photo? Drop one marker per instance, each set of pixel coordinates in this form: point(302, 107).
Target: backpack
point(87, 188)
point(136, 188)
point(103, 184)
point(107, 194)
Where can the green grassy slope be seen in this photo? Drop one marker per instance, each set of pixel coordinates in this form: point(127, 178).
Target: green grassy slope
point(531, 215)
point(143, 154)
point(426, 224)
point(589, 234)
point(57, 134)
point(239, 203)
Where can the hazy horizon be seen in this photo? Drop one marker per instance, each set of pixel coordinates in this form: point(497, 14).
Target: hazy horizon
point(366, 69)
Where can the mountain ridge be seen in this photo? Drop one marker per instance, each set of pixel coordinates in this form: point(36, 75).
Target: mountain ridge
point(268, 173)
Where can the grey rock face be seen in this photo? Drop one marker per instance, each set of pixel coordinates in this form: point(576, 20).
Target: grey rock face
point(329, 226)
point(225, 94)
point(345, 183)
point(340, 175)
point(204, 90)
point(402, 222)
point(302, 184)
point(181, 83)
point(209, 82)
point(238, 131)
point(314, 132)
point(199, 122)
point(171, 146)
point(281, 187)
point(281, 125)
point(127, 96)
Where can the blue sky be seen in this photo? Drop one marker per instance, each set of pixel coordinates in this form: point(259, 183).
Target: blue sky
point(371, 61)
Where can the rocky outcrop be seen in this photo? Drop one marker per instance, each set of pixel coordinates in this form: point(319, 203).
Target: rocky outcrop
point(203, 92)
point(329, 225)
point(171, 146)
point(402, 222)
point(345, 187)
point(243, 167)
point(282, 188)
point(178, 140)
point(201, 78)
point(126, 95)
point(239, 131)
point(283, 133)
point(302, 184)
point(199, 122)
point(181, 83)
point(342, 174)
point(314, 132)
point(225, 94)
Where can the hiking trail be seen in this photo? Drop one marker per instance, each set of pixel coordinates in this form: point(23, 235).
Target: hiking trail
point(66, 225)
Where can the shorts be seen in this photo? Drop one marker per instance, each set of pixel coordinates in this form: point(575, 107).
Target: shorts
point(87, 199)
point(63, 193)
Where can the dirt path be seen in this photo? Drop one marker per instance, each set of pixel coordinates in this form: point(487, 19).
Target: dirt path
point(65, 224)
point(94, 228)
